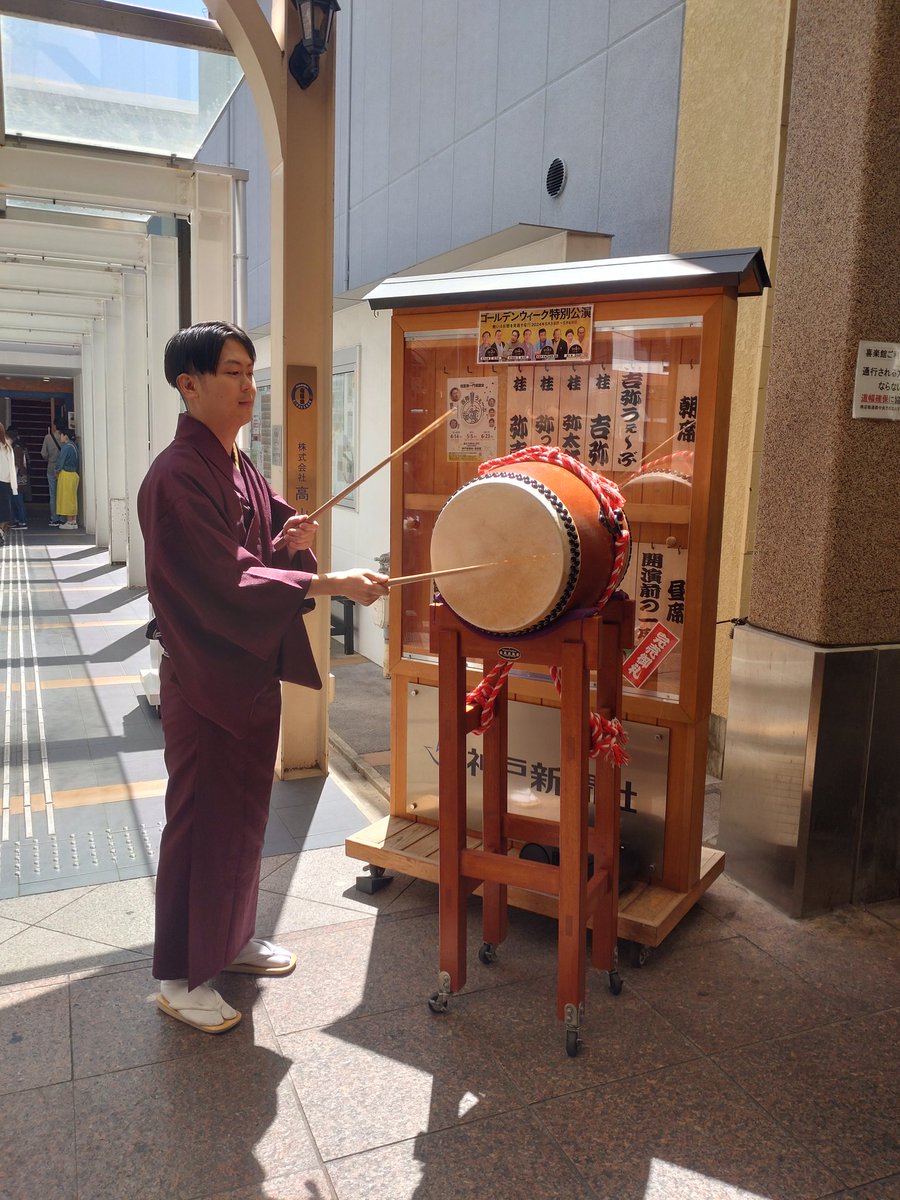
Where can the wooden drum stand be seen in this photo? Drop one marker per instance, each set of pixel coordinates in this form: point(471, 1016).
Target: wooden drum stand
point(579, 646)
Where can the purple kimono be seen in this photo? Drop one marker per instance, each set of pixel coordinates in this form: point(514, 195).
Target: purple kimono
point(229, 613)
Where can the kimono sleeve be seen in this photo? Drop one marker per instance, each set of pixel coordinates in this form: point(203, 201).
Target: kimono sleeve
point(203, 574)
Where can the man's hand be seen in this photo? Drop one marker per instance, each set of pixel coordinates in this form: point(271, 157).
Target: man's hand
point(298, 533)
point(365, 587)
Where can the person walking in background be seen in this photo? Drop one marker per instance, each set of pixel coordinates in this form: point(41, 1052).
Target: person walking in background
point(21, 457)
point(50, 454)
point(8, 484)
point(67, 481)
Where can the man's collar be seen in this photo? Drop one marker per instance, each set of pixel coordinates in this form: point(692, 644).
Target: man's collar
point(203, 439)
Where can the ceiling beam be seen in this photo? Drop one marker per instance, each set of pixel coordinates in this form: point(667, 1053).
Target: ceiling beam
point(63, 281)
point(94, 178)
point(38, 337)
point(78, 245)
point(123, 20)
point(50, 304)
point(44, 323)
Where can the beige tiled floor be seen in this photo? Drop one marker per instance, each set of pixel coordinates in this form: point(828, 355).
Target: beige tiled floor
point(737, 1063)
point(753, 1057)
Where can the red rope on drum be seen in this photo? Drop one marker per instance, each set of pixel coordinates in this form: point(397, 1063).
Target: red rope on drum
point(611, 500)
point(607, 737)
point(486, 693)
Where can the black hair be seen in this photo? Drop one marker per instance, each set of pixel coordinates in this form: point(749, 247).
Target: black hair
point(197, 349)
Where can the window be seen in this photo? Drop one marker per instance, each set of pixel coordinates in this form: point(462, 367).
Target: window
point(345, 424)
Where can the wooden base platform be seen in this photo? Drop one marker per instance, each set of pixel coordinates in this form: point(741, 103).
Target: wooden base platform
point(647, 912)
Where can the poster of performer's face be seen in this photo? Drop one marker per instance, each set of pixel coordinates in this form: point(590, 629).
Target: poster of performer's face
point(520, 335)
point(472, 430)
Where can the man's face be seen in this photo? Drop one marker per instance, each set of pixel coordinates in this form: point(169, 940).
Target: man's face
point(514, 336)
point(224, 399)
point(581, 333)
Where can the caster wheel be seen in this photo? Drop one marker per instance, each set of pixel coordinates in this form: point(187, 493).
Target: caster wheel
point(487, 953)
point(571, 1042)
point(615, 982)
point(376, 872)
point(640, 955)
point(438, 1003)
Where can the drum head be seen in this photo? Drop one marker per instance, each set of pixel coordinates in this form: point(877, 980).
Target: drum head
point(505, 521)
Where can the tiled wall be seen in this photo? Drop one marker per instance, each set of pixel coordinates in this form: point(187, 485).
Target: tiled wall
point(448, 113)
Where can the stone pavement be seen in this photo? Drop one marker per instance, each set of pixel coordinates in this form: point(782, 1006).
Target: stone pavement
point(752, 1057)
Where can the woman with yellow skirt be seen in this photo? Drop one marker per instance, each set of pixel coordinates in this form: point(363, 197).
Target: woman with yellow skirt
point(67, 482)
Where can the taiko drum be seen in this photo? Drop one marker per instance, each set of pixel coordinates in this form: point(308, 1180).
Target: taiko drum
point(545, 529)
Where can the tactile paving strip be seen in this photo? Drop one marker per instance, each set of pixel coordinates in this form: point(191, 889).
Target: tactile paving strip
point(77, 859)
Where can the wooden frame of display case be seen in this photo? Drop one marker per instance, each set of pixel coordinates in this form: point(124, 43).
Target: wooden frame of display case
point(406, 842)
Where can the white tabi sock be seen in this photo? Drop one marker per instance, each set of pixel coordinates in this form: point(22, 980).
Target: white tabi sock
point(201, 1005)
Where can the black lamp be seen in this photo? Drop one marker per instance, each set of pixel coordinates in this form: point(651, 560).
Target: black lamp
point(316, 20)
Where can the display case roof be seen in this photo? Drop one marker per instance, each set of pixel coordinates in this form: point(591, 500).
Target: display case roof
point(743, 270)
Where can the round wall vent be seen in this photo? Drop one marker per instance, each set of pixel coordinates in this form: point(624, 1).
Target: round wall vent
point(556, 177)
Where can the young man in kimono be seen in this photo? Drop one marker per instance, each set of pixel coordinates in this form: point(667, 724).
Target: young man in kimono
point(230, 574)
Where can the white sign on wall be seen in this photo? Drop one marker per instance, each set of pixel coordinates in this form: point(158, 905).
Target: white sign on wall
point(876, 391)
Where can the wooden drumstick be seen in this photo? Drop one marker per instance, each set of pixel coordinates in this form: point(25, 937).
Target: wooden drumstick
point(384, 462)
point(423, 575)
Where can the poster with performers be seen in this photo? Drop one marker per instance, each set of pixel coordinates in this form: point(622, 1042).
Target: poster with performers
point(539, 334)
point(472, 430)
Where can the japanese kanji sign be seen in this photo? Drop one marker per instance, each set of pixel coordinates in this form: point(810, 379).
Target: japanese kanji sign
point(648, 654)
point(877, 385)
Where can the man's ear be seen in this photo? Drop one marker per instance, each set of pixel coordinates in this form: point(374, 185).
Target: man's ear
point(187, 387)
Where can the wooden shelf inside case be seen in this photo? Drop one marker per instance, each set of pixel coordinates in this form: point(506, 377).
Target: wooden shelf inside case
point(647, 912)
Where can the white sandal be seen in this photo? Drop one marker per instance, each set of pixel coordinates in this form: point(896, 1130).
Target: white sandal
point(202, 1007)
point(261, 957)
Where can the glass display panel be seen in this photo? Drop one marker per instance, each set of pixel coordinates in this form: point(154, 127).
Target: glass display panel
point(76, 85)
point(629, 414)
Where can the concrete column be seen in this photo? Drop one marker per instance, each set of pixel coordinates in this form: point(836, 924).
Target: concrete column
point(115, 431)
point(828, 532)
point(162, 321)
point(84, 402)
point(136, 431)
point(302, 278)
point(820, 575)
point(212, 295)
point(99, 444)
point(298, 129)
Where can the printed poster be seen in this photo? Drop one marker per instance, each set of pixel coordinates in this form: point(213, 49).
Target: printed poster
point(472, 430)
point(547, 334)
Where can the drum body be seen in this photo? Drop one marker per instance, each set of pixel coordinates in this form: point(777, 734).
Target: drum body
point(544, 527)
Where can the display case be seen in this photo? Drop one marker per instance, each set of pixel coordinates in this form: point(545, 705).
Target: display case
point(625, 365)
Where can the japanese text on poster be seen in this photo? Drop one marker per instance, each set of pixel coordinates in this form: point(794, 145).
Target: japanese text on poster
point(876, 391)
point(472, 430)
point(520, 335)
